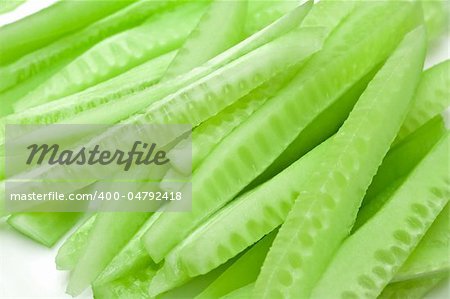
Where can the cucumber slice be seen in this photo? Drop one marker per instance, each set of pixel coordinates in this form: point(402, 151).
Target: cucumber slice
point(249, 150)
point(210, 133)
point(431, 254)
point(45, 228)
point(403, 221)
point(436, 17)
point(117, 54)
point(110, 232)
point(131, 258)
point(70, 251)
point(412, 289)
point(132, 81)
point(243, 292)
point(60, 110)
point(203, 43)
point(129, 287)
point(41, 28)
point(322, 127)
point(70, 46)
point(326, 207)
point(242, 272)
point(397, 164)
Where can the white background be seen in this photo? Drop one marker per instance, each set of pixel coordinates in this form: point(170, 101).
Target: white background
point(27, 269)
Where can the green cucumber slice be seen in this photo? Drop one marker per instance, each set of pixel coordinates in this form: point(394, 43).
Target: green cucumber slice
point(241, 293)
point(431, 254)
point(397, 164)
point(411, 289)
point(131, 258)
point(109, 234)
point(327, 205)
point(60, 110)
point(432, 97)
point(223, 174)
point(117, 54)
point(70, 251)
point(41, 28)
point(204, 42)
point(403, 221)
point(7, 6)
point(70, 46)
point(242, 272)
point(45, 228)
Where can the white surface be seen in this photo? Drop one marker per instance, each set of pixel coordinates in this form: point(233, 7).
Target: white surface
point(27, 269)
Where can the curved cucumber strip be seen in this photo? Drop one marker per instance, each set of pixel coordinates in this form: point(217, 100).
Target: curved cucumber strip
point(70, 46)
point(411, 289)
point(403, 221)
point(242, 272)
point(204, 42)
point(116, 55)
point(432, 97)
point(397, 164)
point(131, 258)
point(41, 28)
point(327, 204)
point(57, 111)
point(282, 118)
point(431, 254)
point(45, 228)
point(73, 247)
point(110, 232)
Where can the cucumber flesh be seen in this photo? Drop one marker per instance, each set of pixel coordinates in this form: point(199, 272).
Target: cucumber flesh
point(70, 251)
point(432, 97)
point(204, 43)
point(431, 254)
point(279, 114)
point(243, 271)
point(117, 54)
point(412, 289)
point(131, 258)
point(398, 163)
point(45, 228)
point(336, 188)
point(403, 220)
point(41, 28)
